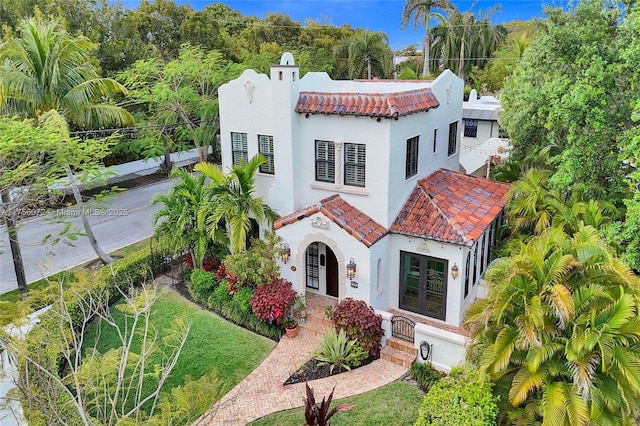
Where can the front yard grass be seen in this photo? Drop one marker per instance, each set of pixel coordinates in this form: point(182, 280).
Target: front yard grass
point(213, 344)
point(395, 404)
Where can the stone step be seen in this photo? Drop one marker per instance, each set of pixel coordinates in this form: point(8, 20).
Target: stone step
point(402, 345)
point(397, 357)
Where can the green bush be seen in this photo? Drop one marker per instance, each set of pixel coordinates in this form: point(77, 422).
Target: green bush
point(337, 351)
point(242, 299)
point(219, 297)
point(425, 375)
point(202, 285)
point(462, 398)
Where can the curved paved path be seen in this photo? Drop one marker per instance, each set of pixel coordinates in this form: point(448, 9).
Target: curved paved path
point(262, 391)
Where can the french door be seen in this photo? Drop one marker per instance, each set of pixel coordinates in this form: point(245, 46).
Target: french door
point(423, 284)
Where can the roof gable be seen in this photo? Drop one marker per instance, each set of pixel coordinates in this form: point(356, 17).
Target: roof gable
point(452, 207)
point(343, 214)
point(367, 104)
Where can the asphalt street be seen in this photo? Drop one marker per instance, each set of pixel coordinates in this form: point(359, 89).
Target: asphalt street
point(120, 221)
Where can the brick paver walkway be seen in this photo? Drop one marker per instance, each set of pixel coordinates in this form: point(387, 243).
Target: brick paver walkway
point(262, 392)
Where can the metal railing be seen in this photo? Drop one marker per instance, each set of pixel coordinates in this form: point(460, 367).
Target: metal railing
point(403, 328)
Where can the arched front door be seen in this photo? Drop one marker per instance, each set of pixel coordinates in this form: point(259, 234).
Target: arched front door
point(321, 269)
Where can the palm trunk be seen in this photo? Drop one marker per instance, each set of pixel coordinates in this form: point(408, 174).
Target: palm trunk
point(104, 257)
point(427, 48)
point(368, 68)
point(461, 64)
point(16, 254)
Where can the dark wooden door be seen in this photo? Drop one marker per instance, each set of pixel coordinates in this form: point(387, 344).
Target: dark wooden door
point(332, 274)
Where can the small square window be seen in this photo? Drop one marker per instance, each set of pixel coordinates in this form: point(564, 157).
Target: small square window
point(470, 128)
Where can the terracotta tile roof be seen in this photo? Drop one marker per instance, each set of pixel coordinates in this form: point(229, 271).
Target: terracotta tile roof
point(295, 216)
point(343, 214)
point(367, 104)
point(451, 206)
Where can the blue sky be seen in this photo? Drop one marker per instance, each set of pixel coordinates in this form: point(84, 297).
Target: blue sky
point(373, 15)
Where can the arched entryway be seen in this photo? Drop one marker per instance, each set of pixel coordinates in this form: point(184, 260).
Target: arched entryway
point(321, 269)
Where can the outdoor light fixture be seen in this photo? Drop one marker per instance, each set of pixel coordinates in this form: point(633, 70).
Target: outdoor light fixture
point(351, 269)
point(286, 252)
point(454, 271)
point(425, 350)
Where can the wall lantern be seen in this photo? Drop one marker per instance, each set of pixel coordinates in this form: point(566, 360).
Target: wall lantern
point(285, 253)
point(454, 271)
point(351, 269)
point(425, 350)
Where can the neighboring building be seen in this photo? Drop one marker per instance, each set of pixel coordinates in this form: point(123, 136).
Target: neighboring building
point(365, 173)
point(481, 144)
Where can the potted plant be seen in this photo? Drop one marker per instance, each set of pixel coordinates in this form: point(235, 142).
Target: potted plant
point(290, 327)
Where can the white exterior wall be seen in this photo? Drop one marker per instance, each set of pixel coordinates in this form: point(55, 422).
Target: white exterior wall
point(371, 199)
point(448, 89)
point(447, 349)
point(450, 252)
point(380, 286)
point(300, 234)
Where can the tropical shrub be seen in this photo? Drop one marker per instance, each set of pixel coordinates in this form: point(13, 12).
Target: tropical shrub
point(202, 285)
point(219, 297)
point(337, 351)
point(425, 375)
point(558, 334)
point(255, 265)
point(461, 398)
point(361, 323)
point(271, 301)
point(242, 299)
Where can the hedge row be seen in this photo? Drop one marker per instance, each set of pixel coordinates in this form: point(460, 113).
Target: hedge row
point(45, 345)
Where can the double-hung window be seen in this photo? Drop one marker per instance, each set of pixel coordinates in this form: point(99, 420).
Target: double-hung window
point(265, 147)
point(411, 165)
point(453, 138)
point(354, 164)
point(325, 161)
point(239, 149)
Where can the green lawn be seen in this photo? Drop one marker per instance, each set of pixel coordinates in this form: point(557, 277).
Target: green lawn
point(395, 404)
point(213, 343)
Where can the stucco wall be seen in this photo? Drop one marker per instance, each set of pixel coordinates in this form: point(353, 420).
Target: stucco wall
point(447, 349)
point(300, 234)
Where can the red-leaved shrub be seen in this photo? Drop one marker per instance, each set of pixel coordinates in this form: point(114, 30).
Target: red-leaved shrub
point(209, 264)
point(271, 301)
point(223, 275)
point(360, 322)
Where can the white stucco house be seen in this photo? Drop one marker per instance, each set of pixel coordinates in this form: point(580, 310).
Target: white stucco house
point(366, 173)
point(481, 144)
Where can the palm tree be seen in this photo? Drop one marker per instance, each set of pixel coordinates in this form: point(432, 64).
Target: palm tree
point(48, 71)
point(177, 224)
point(366, 54)
point(465, 40)
point(419, 11)
point(559, 333)
point(231, 198)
